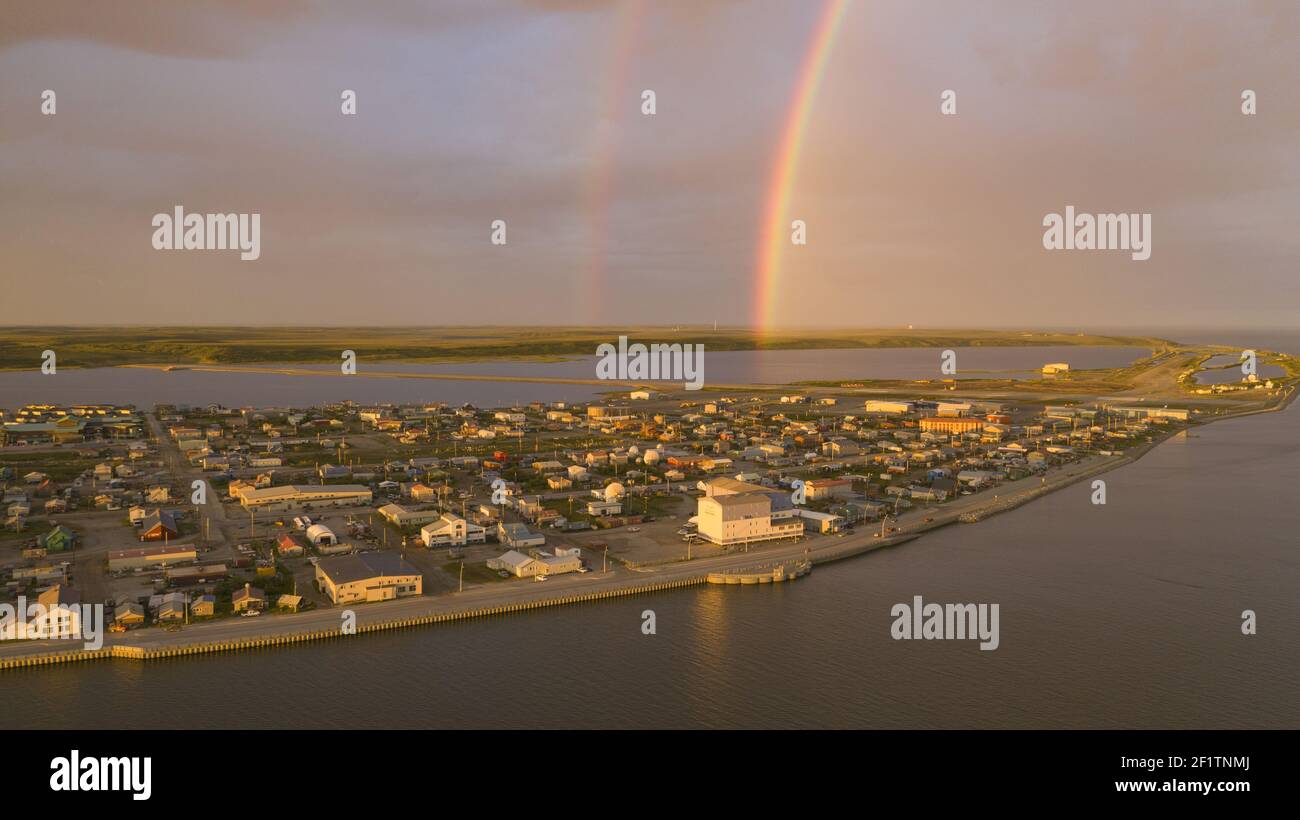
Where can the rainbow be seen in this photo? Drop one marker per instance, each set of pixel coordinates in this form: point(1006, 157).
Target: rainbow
point(774, 231)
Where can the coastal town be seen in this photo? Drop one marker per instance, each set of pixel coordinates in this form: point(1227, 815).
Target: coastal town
point(188, 520)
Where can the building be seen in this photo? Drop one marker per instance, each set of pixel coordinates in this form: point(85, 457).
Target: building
point(296, 497)
point(1177, 413)
point(819, 488)
point(515, 563)
point(57, 540)
point(518, 536)
point(450, 530)
point(746, 517)
point(952, 424)
point(290, 545)
point(729, 486)
point(289, 603)
point(161, 526)
point(321, 535)
point(203, 606)
point(820, 521)
point(62, 615)
point(604, 508)
point(840, 447)
point(190, 575)
point(402, 517)
point(953, 408)
point(1055, 368)
point(150, 557)
point(250, 597)
point(128, 614)
point(558, 564)
point(368, 576)
point(526, 566)
point(887, 407)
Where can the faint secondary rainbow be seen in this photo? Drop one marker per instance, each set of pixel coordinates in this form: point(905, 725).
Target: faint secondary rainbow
point(774, 230)
point(616, 100)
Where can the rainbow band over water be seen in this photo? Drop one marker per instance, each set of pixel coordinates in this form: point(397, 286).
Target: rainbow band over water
point(775, 228)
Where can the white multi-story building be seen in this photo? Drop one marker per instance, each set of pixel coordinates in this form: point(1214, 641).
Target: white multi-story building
point(450, 530)
point(746, 517)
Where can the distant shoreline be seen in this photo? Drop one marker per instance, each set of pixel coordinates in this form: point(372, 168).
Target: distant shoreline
point(22, 348)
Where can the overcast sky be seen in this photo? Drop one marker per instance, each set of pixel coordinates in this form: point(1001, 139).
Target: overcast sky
point(530, 112)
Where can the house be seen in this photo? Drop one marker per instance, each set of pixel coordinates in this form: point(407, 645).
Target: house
point(859, 510)
point(450, 530)
point(128, 614)
point(61, 617)
point(518, 536)
point(58, 539)
point(368, 576)
point(840, 447)
point(820, 521)
point(525, 566)
point(558, 564)
point(161, 526)
point(604, 508)
point(290, 545)
point(819, 488)
point(328, 471)
point(204, 606)
point(423, 494)
point(290, 603)
point(248, 598)
point(171, 610)
point(516, 563)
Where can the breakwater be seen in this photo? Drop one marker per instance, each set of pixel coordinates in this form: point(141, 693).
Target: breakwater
point(139, 653)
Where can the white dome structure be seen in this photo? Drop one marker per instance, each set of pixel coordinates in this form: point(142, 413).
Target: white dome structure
point(614, 491)
point(320, 534)
point(634, 450)
point(652, 456)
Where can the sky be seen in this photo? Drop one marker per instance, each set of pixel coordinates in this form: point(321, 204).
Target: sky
point(531, 113)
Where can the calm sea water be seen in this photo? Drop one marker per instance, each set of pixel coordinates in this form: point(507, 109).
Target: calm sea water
point(1123, 615)
point(145, 388)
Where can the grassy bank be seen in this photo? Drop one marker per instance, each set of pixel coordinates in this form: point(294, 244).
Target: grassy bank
point(21, 347)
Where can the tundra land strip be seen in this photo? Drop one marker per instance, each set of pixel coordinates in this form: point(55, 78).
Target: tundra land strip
point(21, 347)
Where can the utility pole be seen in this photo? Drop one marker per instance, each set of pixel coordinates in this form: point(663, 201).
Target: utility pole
point(462, 577)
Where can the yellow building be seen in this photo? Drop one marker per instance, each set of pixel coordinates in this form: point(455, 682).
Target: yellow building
point(951, 424)
point(368, 576)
